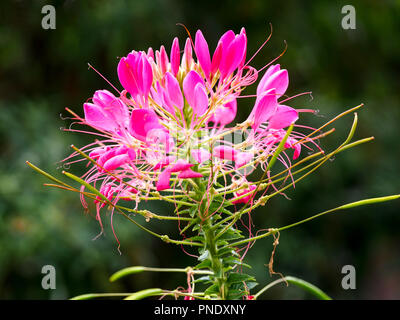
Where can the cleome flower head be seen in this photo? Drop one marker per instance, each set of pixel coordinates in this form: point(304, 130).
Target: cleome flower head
point(172, 128)
point(171, 134)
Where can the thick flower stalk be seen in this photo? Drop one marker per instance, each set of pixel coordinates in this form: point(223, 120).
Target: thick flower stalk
point(171, 135)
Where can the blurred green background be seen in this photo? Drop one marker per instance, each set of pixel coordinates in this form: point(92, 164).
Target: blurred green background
point(44, 71)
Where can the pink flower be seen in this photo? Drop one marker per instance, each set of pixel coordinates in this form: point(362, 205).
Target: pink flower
point(142, 122)
point(274, 78)
point(195, 93)
point(225, 153)
point(112, 106)
point(233, 53)
point(203, 53)
point(172, 93)
point(177, 113)
point(244, 195)
point(200, 155)
point(96, 117)
point(283, 117)
point(135, 74)
point(265, 107)
point(181, 166)
point(243, 158)
point(188, 174)
point(225, 114)
point(175, 57)
point(187, 57)
point(115, 162)
point(163, 180)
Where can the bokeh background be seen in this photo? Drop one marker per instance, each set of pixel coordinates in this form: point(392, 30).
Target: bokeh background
point(44, 71)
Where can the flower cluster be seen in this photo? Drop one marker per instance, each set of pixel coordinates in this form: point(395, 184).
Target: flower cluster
point(169, 128)
point(171, 135)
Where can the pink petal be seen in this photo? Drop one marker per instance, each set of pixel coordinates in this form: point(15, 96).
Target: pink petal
point(226, 40)
point(293, 143)
point(163, 60)
point(187, 55)
point(121, 150)
point(188, 174)
point(127, 194)
point(112, 106)
point(131, 154)
point(116, 162)
point(163, 180)
point(200, 155)
point(142, 121)
point(180, 165)
point(189, 85)
point(243, 158)
point(174, 90)
point(96, 153)
point(283, 117)
point(126, 76)
point(265, 107)
point(147, 74)
point(225, 114)
point(96, 117)
point(245, 199)
point(150, 53)
point(278, 81)
point(135, 73)
point(216, 59)
point(160, 137)
point(243, 31)
point(233, 56)
point(225, 152)
point(103, 98)
point(105, 157)
point(203, 53)
point(270, 71)
point(201, 100)
point(297, 150)
point(175, 57)
point(157, 95)
point(167, 101)
point(163, 163)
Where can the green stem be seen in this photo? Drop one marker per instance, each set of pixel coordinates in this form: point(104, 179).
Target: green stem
point(216, 264)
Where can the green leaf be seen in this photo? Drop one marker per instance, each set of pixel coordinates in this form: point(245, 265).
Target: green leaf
point(204, 279)
point(317, 292)
point(214, 289)
point(226, 211)
point(251, 285)
point(234, 261)
point(144, 294)
point(227, 251)
point(125, 272)
point(204, 255)
point(216, 217)
point(89, 296)
point(236, 294)
point(216, 204)
point(205, 264)
point(298, 282)
point(239, 277)
point(231, 234)
point(195, 238)
point(193, 211)
point(222, 243)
